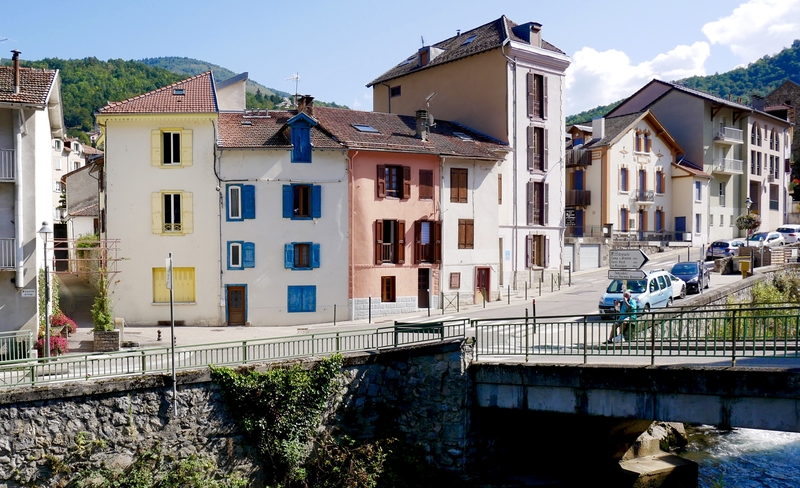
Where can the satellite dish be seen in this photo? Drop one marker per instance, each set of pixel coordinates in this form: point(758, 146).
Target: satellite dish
point(431, 122)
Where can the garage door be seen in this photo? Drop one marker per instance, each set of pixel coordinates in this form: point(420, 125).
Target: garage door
point(590, 256)
point(566, 254)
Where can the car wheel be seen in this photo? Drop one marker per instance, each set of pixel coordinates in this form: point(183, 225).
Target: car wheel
point(669, 302)
point(683, 292)
point(646, 308)
point(708, 282)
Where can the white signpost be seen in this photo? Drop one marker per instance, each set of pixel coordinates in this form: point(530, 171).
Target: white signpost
point(626, 274)
point(627, 258)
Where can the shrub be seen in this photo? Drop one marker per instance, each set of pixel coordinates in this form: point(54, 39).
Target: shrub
point(58, 345)
point(61, 320)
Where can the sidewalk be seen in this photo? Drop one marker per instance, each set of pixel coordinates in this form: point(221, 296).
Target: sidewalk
point(77, 297)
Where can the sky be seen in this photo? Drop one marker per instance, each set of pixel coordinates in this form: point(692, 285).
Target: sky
point(337, 47)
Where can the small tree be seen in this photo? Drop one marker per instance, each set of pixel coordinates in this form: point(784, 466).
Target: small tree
point(749, 222)
point(54, 299)
point(102, 313)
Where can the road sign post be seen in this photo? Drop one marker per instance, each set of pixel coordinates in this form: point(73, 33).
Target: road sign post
point(627, 259)
point(626, 274)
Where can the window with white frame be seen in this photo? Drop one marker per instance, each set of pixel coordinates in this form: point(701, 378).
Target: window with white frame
point(698, 191)
point(698, 220)
point(722, 194)
point(172, 213)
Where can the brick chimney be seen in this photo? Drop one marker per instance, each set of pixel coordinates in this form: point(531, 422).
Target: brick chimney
point(423, 125)
point(306, 104)
point(15, 59)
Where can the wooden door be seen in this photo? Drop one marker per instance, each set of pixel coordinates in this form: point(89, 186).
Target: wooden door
point(236, 305)
point(482, 284)
point(423, 288)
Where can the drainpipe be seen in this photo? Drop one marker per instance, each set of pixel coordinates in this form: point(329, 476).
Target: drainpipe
point(18, 191)
point(350, 186)
point(514, 228)
point(388, 96)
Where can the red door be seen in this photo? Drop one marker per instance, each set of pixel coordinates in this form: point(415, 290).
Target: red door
point(482, 290)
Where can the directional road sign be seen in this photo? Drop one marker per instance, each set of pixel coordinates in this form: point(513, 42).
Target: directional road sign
point(627, 258)
point(626, 274)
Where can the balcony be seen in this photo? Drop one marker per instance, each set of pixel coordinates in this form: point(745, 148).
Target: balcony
point(7, 165)
point(727, 166)
point(579, 198)
point(644, 196)
point(578, 157)
point(7, 253)
point(728, 136)
point(387, 253)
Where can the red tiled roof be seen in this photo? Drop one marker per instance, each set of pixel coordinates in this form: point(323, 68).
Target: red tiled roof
point(336, 130)
point(242, 130)
point(199, 97)
point(35, 85)
point(398, 133)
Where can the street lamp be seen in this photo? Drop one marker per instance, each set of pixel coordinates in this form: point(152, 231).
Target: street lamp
point(45, 231)
point(747, 204)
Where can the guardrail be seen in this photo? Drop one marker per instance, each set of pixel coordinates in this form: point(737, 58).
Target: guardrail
point(75, 367)
point(15, 345)
point(770, 330)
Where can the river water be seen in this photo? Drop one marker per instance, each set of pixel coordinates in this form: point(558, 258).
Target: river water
point(744, 457)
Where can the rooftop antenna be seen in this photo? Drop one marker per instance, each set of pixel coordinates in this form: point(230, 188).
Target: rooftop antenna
point(422, 40)
point(431, 122)
point(296, 78)
point(428, 99)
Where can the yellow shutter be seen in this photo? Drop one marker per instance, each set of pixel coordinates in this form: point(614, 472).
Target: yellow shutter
point(155, 147)
point(183, 285)
point(186, 147)
point(160, 292)
point(188, 213)
point(155, 205)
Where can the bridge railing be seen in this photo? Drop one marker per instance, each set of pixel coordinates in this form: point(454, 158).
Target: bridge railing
point(72, 367)
point(769, 330)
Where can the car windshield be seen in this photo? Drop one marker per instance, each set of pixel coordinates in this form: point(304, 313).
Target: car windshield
point(759, 236)
point(635, 286)
point(685, 268)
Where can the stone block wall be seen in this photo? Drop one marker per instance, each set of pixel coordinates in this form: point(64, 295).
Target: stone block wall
point(361, 307)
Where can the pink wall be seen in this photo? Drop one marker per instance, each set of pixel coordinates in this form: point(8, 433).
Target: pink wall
point(367, 207)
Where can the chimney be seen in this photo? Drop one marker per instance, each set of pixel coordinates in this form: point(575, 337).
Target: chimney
point(15, 58)
point(599, 128)
point(536, 34)
point(423, 125)
point(306, 104)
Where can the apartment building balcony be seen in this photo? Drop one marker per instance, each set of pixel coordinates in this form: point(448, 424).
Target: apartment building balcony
point(644, 197)
point(728, 136)
point(7, 165)
point(579, 198)
point(7, 253)
point(727, 166)
point(578, 158)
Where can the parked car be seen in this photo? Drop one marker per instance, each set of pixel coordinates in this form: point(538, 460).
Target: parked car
point(724, 248)
point(694, 273)
point(790, 233)
point(654, 291)
point(771, 239)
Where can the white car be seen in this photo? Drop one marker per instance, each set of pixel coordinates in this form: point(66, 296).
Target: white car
point(678, 287)
point(790, 232)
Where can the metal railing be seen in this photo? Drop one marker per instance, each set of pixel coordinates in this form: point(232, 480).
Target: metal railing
point(729, 134)
point(8, 253)
point(644, 195)
point(728, 166)
point(387, 252)
point(74, 367)
point(578, 198)
point(15, 345)
point(7, 172)
point(578, 157)
point(731, 331)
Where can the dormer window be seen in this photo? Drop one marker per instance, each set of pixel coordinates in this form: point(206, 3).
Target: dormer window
point(179, 91)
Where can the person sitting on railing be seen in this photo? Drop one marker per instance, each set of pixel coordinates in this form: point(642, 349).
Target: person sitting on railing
point(627, 312)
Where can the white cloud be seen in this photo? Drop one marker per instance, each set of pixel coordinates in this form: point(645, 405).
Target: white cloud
point(757, 28)
point(599, 78)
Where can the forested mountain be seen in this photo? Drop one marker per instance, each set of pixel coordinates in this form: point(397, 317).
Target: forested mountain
point(759, 77)
point(88, 84)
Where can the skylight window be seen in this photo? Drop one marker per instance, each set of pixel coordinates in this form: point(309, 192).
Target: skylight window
point(462, 136)
point(468, 40)
point(366, 128)
point(410, 58)
point(178, 91)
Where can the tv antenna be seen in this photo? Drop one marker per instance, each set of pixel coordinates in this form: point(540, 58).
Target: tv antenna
point(428, 99)
point(296, 78)
point(422, 40)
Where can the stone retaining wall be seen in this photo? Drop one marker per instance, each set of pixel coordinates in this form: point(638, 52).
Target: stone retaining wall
point(361, 306)
point(421, 392)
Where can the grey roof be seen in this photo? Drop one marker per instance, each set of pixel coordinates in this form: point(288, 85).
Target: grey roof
point(487, 37)
point(681, 88)
point(614, 127)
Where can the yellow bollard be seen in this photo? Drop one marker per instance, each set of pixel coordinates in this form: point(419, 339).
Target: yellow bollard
point(744, 267)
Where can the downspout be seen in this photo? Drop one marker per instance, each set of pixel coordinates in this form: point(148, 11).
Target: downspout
point(18, 207)
point(350, 186)
point(514, 227)
point(442, 265)
point(220, 210)
point(388, 96)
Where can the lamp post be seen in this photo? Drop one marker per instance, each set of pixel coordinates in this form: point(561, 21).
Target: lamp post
point(45, 231)
point(747, 204)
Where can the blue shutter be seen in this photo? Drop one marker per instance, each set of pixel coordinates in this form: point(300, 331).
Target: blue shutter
point(295, 299)
point(228, 260)
point(315, 255)
point(301, 144)
point(316, 201)
point(248, 202)
point(249, 255)
point(288, 201)
point(310, 298)
point(288, 256)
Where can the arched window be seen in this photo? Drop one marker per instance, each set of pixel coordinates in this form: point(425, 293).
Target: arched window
point(753, 131)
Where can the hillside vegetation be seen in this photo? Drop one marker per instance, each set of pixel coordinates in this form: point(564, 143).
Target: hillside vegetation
point(759, 78)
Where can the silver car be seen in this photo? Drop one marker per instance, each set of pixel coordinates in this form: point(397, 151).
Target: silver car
point(724, 248)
